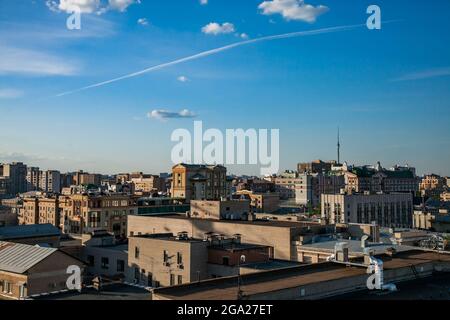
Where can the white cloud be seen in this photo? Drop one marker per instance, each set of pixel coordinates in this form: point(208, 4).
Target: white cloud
point(8, 93)
point(89, 6)
point(30, 62)
point(122, 5)
point(425, 74)
point(69, 6)
point(183, 79)
point(293, 9)
point(217, 28)
point(165, 114)
point(244, 36)
point(143, 22)
point(203, 2)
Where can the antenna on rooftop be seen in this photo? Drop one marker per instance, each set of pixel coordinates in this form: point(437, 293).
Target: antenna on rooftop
point(338, 147)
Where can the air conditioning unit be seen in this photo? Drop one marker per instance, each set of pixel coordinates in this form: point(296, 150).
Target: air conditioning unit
point(167, 264)
point(181, 266)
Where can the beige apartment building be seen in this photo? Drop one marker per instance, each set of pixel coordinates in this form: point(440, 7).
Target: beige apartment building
point(261, 202)
point(218, 210)
point(88, 213)
point(280, 235)
point(388, 210)
point(148, 184)
point(40, 210)
point(165, 260)
point(200, 182)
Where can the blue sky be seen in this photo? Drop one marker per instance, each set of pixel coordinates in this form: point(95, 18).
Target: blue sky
point(388, 89)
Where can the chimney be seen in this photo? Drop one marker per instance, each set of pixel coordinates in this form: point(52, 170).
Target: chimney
point(364, 241)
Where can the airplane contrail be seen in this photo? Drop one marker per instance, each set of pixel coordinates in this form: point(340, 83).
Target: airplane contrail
point(215, 51)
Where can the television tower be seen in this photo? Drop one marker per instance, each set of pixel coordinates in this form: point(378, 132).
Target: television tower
point(338, 147)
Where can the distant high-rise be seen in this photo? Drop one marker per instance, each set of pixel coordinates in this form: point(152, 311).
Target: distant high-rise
point(17, 174)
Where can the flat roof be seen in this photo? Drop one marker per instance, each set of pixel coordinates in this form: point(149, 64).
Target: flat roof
point(110, 292)
point(28, 231)
point(354, 247)
point(268, 223)
point(275, 280)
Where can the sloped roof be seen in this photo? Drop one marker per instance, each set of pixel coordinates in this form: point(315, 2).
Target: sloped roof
point(28, 231)
point(18, 258)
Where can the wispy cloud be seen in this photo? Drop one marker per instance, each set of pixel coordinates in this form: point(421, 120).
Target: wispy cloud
point(165, 114)
point(203, 2)
point(424, 74)
point(216, 51)
point(9, 93)
point(293, 9)
point(30, 62)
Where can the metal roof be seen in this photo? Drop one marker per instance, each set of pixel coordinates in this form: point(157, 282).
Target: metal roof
point(28, 231)
point(18, 258)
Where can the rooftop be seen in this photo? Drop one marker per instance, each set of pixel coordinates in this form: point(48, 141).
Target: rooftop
point(269, 223)
point(275, 280)
point(354, 247)
point(18, 258)
point(28, 231)
point(110, 292)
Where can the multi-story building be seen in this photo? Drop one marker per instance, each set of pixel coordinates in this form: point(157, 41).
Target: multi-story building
point(40, 210)
point(387, 210)
point(286, 185)
point(161, 260)
point(84, 178)
point(312, 186)
point(4, 187)
point(261, 202)
point(165, 260)
point(50, 181)
point(221, 210)
point(200, 182)
point(33, 179)
point(147, 184)
point(82, 213)
point(255, 185)
point(317, 166)
point(378, 179)
point(16, 172)
point(432, 185)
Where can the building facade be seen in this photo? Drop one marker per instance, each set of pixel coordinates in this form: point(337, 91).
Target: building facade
point(200, 182)
point(387, 210)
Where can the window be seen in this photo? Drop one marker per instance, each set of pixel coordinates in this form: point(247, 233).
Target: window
point(105, 263)
point(137, 274)
point(180, 279)
point(120, 266)
point(226, 261)
point(136, 252)
point(172, 279)
point(90, 261)
point(179, 258)
point(165, 256)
